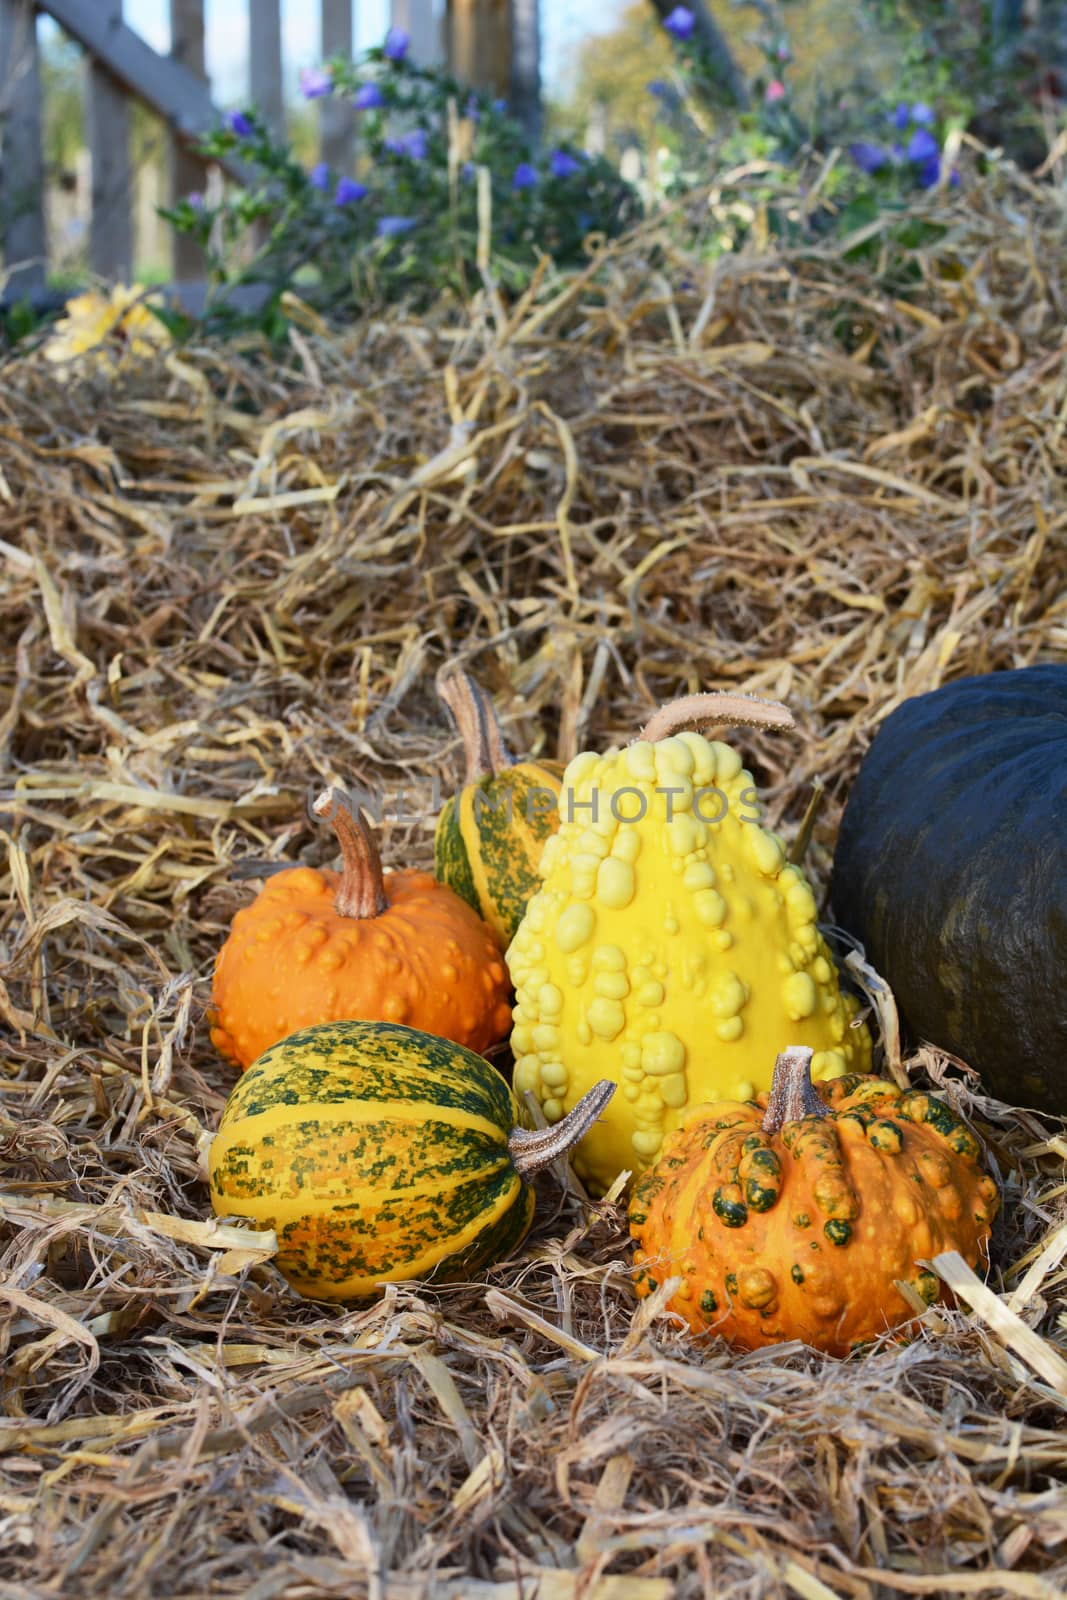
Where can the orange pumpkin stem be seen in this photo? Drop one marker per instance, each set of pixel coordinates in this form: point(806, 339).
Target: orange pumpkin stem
point(729, 710)
point(531, 1151)
point(484, 748)
point(793, 1096)
point(361, 892)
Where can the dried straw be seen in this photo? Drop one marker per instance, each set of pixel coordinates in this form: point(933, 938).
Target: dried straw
point(228, 583)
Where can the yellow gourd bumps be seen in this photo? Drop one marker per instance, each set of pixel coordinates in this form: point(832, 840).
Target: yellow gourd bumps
point(671, 947)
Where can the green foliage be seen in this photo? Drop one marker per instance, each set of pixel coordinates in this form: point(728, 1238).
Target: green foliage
point(845, 54)
point(409, 221)
point(796, 169)
point(18, 321)
point(998, 66)
point(63, 104)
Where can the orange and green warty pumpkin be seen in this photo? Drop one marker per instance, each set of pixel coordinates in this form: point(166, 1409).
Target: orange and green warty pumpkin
point(672, 946)
point(318, 946)
point(490, 835)
point(377, 1153)
point(796, 1215)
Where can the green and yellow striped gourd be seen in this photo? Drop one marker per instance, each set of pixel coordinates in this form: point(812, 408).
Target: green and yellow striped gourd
point(490, 835)
point(377, 1153)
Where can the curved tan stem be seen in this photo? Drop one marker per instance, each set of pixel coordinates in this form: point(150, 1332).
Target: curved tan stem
point(532, 1151)
point(484, 748)
point(731, 710)
point(361, 892)
point(793, 1096)
point(799, 848)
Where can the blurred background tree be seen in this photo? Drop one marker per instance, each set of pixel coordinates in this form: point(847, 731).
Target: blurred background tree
point(836, 50)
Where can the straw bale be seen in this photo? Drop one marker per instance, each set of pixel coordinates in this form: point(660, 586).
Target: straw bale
point(229, 577)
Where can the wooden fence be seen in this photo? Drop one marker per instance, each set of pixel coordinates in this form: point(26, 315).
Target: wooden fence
point(491, 43)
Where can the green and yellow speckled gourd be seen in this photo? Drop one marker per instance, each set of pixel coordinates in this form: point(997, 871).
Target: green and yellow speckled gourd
point(798, 1216)
point(377, 1153)
point(672, 947)
point(490, 835)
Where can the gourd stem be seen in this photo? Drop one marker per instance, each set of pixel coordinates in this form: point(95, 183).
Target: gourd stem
point(484, 748)
point(799, 848)
point(731, 710)
point(361, 892)
point(531, 1151)
point(793, 1096)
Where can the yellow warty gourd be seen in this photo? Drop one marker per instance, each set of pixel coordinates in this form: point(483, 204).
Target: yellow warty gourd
point(671, 947)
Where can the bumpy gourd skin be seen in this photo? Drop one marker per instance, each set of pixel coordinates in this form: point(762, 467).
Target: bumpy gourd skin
point(291, 960)
point(804, 1234)
point(675, 956)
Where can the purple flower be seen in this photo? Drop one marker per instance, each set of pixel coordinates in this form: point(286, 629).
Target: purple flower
point(868, 157)
point(657, 87)
point(563, 165)
point(239, 124)
point(929, 173)
point(472, 111)
point(319, 177)
point(315, 82)
point(500, 106)
point(349, 190)
point(922, 115)
point(396, 44)
point(524, 176)
point(414, 144)
point(680, 23)
point(196, 200)
point(467, 171)
point(368, 97)
point(389, 227)
point(901, 117)
point(923, 147)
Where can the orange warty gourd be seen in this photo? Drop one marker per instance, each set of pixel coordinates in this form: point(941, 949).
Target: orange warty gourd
point(795, 1215)
point(320, 946)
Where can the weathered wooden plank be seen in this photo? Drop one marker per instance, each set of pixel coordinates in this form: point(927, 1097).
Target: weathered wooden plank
point(417, 19)
point(108, 118)
point(186, 172)
point(265, 49)
point(337, 121)
point(21, 165)
point(167, 83)
point(478, 41)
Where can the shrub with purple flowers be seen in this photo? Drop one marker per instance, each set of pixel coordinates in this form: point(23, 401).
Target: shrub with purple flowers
point(405, 220)
point(912, 154)
point(997, 68)
point(866, 160)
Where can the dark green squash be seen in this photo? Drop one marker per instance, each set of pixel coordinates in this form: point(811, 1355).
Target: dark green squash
point(951, 867)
